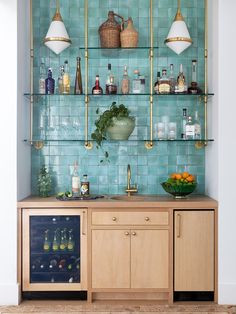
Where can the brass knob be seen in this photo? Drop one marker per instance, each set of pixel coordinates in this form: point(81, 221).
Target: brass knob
point(134, 233)
point(126, 233)
point(114, 218)
point(147, 218)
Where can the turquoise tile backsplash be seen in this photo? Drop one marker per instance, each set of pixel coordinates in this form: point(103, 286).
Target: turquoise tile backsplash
point(62, 117)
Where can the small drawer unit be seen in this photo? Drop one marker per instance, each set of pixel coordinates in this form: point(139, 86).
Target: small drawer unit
point(147, 218)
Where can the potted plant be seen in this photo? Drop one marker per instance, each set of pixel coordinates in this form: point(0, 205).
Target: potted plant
point(114, 123)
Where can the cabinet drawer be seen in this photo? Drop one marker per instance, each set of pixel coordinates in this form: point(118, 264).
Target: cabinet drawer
point(130, 218)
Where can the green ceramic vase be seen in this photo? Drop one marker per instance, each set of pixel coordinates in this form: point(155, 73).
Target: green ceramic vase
point(121, 128)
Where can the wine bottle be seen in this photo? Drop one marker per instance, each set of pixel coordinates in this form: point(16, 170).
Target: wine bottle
point(71, 242)
point(72, 262)
point(44, 266)
point(46, 243)
point(36, 263)
point(62, 264)
point(62, 241)
point(53, 263)
point(55, 242)
point(78, 79)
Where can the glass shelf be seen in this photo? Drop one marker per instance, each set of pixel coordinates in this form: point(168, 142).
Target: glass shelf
point(115, 141)
point(119, 94)
point(98, 52)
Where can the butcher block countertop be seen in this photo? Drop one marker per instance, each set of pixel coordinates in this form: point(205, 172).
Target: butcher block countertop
point(122, 201)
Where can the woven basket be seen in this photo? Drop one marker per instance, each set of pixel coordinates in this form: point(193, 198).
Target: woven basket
point(109, 32)
point(129, 36)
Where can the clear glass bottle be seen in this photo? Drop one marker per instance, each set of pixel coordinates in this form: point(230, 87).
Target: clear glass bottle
point(197, 126)
point(164, 83)
point(71, 242)
point(157, 82)
point(190, 129)
point(75, 180)
point(194, 89)
point(125, 83)
point(46, 243)
point(183, 124)
point(60, 80)
point(84, 190)
point(136, 84)
point(55, 242)
point(50, 83)
point(172, 79)
point(111, 87)
point(42, 77)
point(78, 79)
point(181, 86)
point(97, 90)
point(66, 78)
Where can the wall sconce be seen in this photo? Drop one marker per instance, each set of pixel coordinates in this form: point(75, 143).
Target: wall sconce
point(57, 38)
point(178, 38)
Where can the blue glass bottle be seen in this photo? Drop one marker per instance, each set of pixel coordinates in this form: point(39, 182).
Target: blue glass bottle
point(50, 83)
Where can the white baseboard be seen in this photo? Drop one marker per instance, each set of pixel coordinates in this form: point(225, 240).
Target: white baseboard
point(9, 294)
point(227, 294)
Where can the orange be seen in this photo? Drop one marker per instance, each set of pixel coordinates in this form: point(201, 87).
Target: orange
point(190, 178)
point(185, 174)
point(178, 176)
point(173, 175)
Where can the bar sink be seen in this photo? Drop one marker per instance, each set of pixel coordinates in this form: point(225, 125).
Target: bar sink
point(132, 198)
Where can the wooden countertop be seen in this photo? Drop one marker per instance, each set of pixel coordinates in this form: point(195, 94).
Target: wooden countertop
point(193, 201)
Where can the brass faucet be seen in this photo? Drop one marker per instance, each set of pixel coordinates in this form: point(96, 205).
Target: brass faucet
point(130, 189)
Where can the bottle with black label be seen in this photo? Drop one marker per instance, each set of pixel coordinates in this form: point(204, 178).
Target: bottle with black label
point(84, 190)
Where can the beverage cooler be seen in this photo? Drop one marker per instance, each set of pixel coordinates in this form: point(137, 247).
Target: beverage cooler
point(54, 249)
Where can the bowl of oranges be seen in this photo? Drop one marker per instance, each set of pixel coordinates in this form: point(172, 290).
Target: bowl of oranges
point(180, 184)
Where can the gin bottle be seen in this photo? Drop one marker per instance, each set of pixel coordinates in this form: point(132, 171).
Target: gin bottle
point(190, 129)
point(172, 79)
point(164, 83)
point(181, 81)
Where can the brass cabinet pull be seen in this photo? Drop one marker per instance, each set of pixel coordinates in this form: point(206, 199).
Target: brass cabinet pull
point(134, 233)
point(147, 218)
point(126, 233)
point(83, 223)
point(114, 218)
point(178, 225)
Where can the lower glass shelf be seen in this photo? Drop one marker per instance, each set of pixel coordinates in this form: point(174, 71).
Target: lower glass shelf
point(116, 141)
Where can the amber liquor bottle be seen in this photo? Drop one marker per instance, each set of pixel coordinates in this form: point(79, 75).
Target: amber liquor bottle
point(97, 90)
point(78, 79)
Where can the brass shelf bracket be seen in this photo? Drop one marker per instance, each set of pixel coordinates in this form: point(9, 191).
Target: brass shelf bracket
point(149, 144)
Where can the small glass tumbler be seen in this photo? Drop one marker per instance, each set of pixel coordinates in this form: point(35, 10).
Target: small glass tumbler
point(172, 131)
point(160, 131)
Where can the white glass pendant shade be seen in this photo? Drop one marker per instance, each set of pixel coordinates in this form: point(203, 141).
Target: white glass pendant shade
point(178, 38)
point(57, 38)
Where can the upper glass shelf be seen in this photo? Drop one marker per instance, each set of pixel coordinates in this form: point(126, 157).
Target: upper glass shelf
point(123, 53)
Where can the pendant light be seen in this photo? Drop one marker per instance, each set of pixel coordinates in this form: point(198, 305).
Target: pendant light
point(57, 38)
point(178, 38)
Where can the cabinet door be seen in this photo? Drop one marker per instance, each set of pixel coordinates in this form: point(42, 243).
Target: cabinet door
point(194, 251)
point(110, 259)
point(149, 258)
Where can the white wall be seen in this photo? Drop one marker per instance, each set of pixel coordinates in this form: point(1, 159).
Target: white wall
point(8, 160)
point(221, 157)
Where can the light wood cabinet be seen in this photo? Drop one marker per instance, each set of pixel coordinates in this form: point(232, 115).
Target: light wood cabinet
point(136, 257)
point(194, 250)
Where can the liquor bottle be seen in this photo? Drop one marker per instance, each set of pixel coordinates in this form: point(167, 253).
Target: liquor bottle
point(125, 83)
point(49, 83)
point(62, 264)
point(66, 78)
point(84, 190)
point(136, 84)
point(42, 77)
point(172, 79)
point(46, 243)
point(97, 90)
point(55, 242)
point(157, 82)
point(164, 83)
point(197, 126)
point(111, 87)
point(78, 79)
point(60, 80)
point(75, 180)
point(183, 124)
point(71, 242)
point(190, 129)
point(194, 89)
point(62, 241)
point(181, 86)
